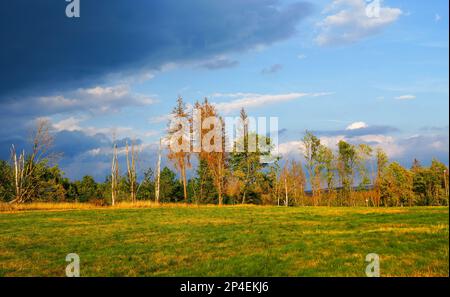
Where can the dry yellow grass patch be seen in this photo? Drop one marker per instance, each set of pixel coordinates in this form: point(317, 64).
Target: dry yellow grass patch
point(426, 229)
point(55, 206)
point(383, 210)
point(200, 222)
point(6, 207)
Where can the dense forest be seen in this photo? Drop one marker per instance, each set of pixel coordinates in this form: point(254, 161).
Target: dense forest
point(353, 175)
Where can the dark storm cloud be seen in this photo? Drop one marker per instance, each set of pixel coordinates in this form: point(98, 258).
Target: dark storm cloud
point(50, 64)
point(72, 143)
point(80, 154)
point(91, 154)
point(68, 143)
point(43, 50)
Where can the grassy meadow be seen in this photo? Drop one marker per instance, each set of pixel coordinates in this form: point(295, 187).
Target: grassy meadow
point(224, 241)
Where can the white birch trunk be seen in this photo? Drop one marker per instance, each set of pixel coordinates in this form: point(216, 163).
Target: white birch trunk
point(158, 173)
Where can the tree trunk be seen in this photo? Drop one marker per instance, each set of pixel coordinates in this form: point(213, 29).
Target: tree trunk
point(183, 175)
point(158, 173)
point(286, 192)
point(219, 190)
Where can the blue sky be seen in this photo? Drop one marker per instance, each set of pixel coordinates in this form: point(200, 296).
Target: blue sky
point(324, 66)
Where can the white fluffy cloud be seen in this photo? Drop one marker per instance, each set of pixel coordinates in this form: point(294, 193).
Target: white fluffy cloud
point(290, 148)
point(98, 99)
point(388, 143)
point(392, 146)
point(69, 124)
point(256, 100)
point(348, 21)
point(357, 125)
point(294, 149)
point(74, 124)
point(331, 141)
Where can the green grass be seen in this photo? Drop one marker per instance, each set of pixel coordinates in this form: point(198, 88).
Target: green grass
point(227, 241)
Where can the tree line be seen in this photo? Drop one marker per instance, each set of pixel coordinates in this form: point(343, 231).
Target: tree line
point(352, 175)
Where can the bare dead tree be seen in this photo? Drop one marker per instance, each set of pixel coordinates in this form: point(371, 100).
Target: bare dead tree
point(24, 166)
point(114, 176)
point(19, 168)
point(158, 173)
point(131, 169)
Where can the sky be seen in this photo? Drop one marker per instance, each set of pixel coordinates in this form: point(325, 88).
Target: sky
point(335, 67)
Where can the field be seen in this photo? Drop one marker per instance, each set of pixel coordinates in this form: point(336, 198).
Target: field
point(225, 241)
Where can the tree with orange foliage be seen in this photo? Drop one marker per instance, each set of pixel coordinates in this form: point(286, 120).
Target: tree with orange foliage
point(212, 140)
point(179, 141)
